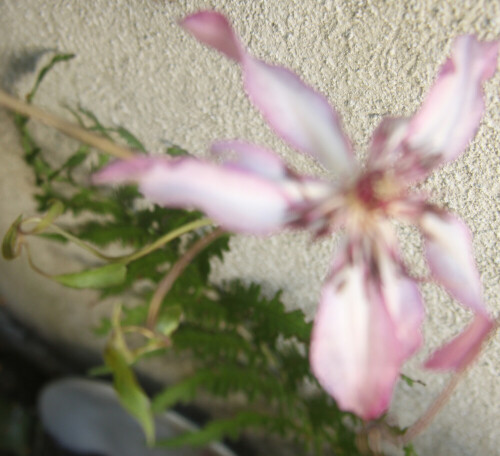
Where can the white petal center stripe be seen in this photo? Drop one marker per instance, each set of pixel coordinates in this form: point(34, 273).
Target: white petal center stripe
point(355, 353)
point(449, 254)
point(300, 115)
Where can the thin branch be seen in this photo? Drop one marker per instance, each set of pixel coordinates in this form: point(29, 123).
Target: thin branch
point(68, 128)
point(426, 419)
point(174, 272)
point(423, 422)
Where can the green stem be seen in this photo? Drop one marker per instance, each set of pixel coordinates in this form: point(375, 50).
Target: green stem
point(145, 332)
point(163, 240)
point(33, 265)
point(125, 259)
point(72, 238)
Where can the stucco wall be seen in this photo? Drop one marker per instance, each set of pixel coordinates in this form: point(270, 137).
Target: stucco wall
point(137, 68)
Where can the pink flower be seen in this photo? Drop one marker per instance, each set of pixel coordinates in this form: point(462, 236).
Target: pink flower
point(370, 314)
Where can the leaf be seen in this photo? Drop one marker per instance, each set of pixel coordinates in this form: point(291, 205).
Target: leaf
point(220, 344)
point(54, 237)
point(10, 246)
point(176, 151)
point(221, 381)
point(216, 249)
point(409, 450)
point(169, 320)
point(72, 162)
point(98, 126)
point(102, 277)
point(130, 394)
point(104, 233)
point(98, 371)
point(77, 158)
point(410, 381)
point(217, 429)
point(43, 72)
point(130, 139)
point(55, 210)
point(182, 391)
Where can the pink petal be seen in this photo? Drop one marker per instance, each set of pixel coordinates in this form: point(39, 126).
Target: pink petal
point(296, 112)
point(461, 351)
point(361, 335)
point(404, 304)
point(448, 248)
point(385, 148)
point(236, 199)
point(389, 152)
point(300, 115)
point(447, 120)
point(251, 157)
point(214, 30)
point(452, 110)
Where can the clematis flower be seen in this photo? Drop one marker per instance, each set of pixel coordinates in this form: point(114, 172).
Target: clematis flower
point(370, 313)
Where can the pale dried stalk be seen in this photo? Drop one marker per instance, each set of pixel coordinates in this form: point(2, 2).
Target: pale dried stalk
point(426, 419)
point(70, 129)
point(175, 271)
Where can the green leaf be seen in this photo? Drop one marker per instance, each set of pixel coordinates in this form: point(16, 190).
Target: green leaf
point(104, 233)
point(130, 139)
point(130, 394)
point(72, 162)
point(55, 210)
point(410, 381)
point(176, 151)
point(182, 391)
point(10, 246)
point(54, 237)
point(102, 277)
point(98, 371)
point(98, 126)
point(169, 320)
point(216, 430)
point(221, 381)
point(43, 72)
point(409, 450)
point(77, 158)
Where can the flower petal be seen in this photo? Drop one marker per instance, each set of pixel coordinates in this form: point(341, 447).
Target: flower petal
point(452, 110)
point(254, 158)
point(461, 351)
point(403, 302)
point(300, 115)
point(214, 30)
point(447, 120)
point(237, 199)
point(448, 248)
point(360, 336)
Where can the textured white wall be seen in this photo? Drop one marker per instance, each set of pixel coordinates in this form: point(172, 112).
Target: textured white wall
point(135, 67)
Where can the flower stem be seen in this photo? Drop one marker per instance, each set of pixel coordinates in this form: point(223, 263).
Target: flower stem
point(68, 128)
point(174, 272)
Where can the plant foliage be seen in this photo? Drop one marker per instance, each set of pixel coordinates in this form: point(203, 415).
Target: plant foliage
point(241, 341)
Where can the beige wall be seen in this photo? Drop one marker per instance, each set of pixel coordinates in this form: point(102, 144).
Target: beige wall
point(135, 67)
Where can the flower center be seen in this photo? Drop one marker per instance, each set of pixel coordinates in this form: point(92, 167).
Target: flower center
point(367, 200)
